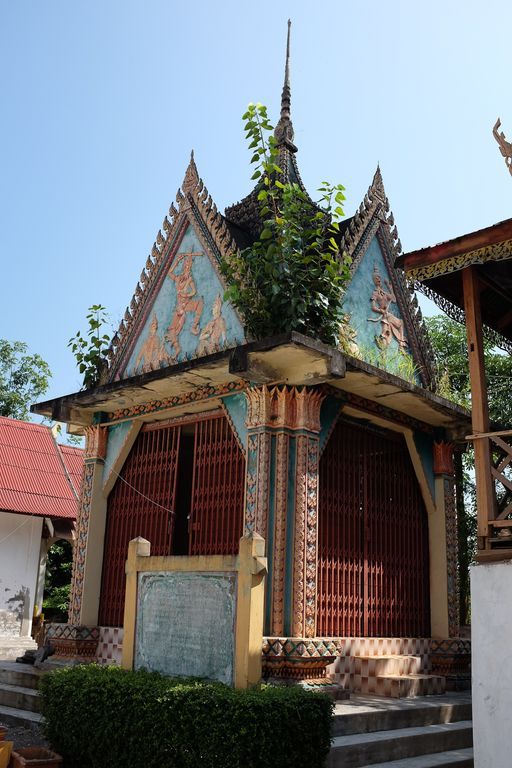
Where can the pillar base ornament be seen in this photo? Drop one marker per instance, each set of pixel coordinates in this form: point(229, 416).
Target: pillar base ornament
point(298, 659)
point(72, 644)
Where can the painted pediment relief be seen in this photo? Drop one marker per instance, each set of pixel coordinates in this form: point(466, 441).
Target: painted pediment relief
point(188, 318)
point(379, 334)
point(384, 325)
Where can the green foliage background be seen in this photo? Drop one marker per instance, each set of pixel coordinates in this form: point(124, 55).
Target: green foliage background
point(450, 347)
point(24, 379)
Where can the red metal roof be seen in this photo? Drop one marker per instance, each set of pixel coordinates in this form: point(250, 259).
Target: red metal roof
point(37, 476)
point(74, 461)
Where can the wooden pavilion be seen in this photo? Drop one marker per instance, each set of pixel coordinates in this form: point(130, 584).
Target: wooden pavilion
point(471, 279)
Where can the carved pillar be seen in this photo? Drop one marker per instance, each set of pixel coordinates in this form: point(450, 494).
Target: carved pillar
point(445, 497)
point(281, 500)
point(88, 551)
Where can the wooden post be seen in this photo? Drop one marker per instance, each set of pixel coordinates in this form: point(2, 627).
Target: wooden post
point(479, 404)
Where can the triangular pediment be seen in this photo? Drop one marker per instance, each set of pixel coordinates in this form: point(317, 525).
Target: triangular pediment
point(178, 310)
point(386, 325)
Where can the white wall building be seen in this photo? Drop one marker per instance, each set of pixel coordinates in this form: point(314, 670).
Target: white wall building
point(39, 488)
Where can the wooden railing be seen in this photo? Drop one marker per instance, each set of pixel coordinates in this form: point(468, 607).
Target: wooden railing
point(493, 470)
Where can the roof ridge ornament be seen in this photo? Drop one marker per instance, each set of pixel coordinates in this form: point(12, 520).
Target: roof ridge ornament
point(284, 129)
point(504, 145)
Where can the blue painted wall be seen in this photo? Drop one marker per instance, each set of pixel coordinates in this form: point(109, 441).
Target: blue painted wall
point(116, 437)
point(331, 407)
point(236, 406)
point(211, 323)
point(425, 447)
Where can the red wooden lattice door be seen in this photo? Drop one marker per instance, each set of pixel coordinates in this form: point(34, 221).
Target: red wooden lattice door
point(216, 511)
point(373, 564)
point(164, 492)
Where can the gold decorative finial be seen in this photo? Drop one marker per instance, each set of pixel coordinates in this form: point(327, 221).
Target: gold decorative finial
point(505, 146)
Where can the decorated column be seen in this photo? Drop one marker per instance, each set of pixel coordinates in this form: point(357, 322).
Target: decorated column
point(88, 553)
point(283, 426)
point(445, 499)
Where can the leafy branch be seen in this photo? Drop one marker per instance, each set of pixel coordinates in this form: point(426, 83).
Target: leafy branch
point(293, 276)
point(89, 350)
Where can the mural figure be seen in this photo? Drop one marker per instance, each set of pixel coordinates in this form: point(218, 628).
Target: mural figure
point(348, 337)
point(505, 146)
point(152, 350)
point(391, 325)
point(186, 300)
point(214, 331)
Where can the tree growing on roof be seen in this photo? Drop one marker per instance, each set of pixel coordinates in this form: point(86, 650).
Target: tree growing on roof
point(89, 349)
point(24, 378)
point(293, 276)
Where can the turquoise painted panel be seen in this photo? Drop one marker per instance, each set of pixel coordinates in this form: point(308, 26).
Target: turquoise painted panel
point(236, 406)
point(117, 434)
point(189, 317)
point(331, 407)
point(375, 317)
point(425, 447)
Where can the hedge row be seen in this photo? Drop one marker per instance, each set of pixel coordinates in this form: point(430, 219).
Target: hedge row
point(105, 717)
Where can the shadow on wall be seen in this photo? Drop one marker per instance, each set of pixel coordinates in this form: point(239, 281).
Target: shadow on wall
point(20, 604)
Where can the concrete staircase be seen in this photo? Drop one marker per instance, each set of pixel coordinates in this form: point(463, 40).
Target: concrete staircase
point(394, 676)
point(19, 697)
point(13, 646)
point(414, 733)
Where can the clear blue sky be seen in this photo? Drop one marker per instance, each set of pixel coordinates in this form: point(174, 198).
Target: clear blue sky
point(103, 101)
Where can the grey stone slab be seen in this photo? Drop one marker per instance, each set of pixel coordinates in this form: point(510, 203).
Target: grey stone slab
point(186, 624)
point(367, 715)
point(362, 749)
point(459, 758)
point(15, 716)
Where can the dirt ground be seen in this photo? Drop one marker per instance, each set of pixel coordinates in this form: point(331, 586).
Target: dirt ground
point(25, 737)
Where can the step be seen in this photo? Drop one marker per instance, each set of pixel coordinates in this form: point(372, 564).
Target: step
point(374, 666)
point(11, 648)
point(457, 758)
point(19, 697)
point(362, 749)
point(372, 713)
point(24, 675)
point(407, 686)
point(400, 686)
point(14, 716)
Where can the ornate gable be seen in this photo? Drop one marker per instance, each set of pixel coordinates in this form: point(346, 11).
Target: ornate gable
point(177, 311)
point(383, 310)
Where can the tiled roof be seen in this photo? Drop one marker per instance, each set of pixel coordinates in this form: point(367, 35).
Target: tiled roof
point(37, 476)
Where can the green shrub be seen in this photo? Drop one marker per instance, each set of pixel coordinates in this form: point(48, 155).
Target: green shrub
point(99, 717)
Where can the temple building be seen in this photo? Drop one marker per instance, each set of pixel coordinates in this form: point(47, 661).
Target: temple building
point(341, 461)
